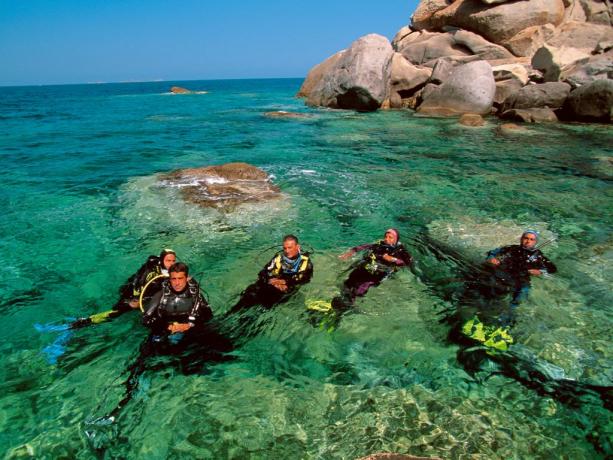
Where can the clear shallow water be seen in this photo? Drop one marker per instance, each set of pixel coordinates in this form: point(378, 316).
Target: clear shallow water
point(82, 208)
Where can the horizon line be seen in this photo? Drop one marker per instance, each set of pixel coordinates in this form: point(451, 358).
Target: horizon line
point(127, 82)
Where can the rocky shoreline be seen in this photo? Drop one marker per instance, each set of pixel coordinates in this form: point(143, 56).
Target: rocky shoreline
point(522, 60)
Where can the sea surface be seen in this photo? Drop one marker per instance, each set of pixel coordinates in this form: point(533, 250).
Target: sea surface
point(83, 206)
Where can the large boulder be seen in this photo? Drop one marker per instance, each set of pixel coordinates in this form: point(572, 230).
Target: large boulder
point(511, 71)
point(495, 23)
point(470, 89)
point(317, 73)
point(598, 67)
point(551, 95)
point(593, 11)
point(553, 61)
point(223, 186)
point(422, 47)
point(421, 18)
point(505, 89)
point(358, 80)
point(582, 36)
point(480, 46)
point(527, 41)
point(592, 102)
point(400, 36)
point(405, 79)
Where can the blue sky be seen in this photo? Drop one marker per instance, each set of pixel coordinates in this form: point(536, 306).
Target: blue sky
point(70, 41)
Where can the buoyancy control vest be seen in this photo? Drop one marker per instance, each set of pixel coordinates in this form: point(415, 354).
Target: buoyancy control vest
point(180, 304)
point(283, 267)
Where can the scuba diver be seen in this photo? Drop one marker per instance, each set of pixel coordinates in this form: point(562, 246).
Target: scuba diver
point(382, 260)
point(279, 279)
point(179, 319)
point(481, 317)
point(515, 264)
point(148, 277)
point(486, 316)
point(140, 286)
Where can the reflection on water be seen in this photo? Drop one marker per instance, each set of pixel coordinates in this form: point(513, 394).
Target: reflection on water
point(83, 208)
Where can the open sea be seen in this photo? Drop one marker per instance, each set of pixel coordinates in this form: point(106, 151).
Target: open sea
point(83, 206)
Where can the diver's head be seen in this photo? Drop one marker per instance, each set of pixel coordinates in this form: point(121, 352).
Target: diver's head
point(178, 276)
point(167, 258)
point(391, 237)
point(291, 248)
point(529, 239)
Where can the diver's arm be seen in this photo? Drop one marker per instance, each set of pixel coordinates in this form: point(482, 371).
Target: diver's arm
point(346, 255)
point(400, 258)
point(544, 266)
point(493, 257)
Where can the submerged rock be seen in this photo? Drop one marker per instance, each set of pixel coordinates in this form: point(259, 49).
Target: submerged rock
point(471, 119)
point(284, 114)
point(533, 115)
point(223, 186)
point(179, 90)
point(511, 128)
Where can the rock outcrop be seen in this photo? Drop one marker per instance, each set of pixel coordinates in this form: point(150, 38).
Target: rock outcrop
point(223, 186)
point(405, 80)
point(179, 90)
point(592, 102)
point(551, 95)
point(495, 23)
point(469, 89)
point(358, 79)
point(568, 43)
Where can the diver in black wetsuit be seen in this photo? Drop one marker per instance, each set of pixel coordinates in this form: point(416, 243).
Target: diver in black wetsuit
point(507, 271)
point(149, 276)
point(279, 279)
point(382, 260)
point(481, 317)
point(180, 321)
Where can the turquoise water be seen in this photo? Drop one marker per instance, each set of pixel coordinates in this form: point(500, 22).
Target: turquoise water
point(83, 207)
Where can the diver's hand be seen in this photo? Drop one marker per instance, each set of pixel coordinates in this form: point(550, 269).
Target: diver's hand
point(495, 262)
point(535, 272)
point(389, 258)
point(346, 255)
point(178, 327)
point(133, 303)
point(278, 283)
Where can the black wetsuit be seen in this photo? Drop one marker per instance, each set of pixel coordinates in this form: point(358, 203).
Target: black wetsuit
point(371, 270)
point(295, 272)
point(190, 351)
point(486, 288)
